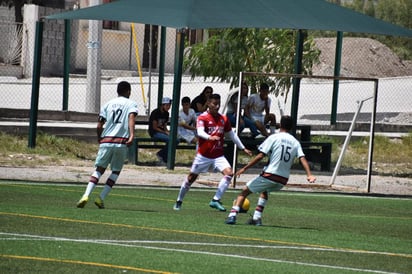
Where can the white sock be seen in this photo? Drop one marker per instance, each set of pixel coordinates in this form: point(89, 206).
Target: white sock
point(184, 188)
point(259, 209)
point(223, 186)
point(234, 211)
point(109, 185)
point(94, 180)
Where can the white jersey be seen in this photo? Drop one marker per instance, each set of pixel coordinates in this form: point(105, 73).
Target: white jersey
point(257, 105)
point(188, 119)
point(281, 148)
point(116, 113)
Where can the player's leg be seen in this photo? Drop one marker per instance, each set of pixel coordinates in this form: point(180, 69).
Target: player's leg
point(200, 164)
point(257, 215)
point(231, 219)
point(265, 187)
point(101, 164)
point(222, 165)
point(119, 155)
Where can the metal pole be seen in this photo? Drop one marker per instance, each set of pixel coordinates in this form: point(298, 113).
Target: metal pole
point(177, 82)
point(161, 62)
point(346, 143)
point(67, 38)
point(336, 73)
point(149, 92)
point(94, 63)
point(372, 136)
point(296, 81)
point(238, 115)
point(34, 109)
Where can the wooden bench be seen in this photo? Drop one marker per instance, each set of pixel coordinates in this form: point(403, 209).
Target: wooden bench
point(315, 152)
point(147, 142)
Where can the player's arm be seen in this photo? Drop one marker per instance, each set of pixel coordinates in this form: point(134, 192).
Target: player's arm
point(131, 125)
point(238, 142)
point(201, 133)
point(305, 164)
point(255, 160)
point(99, 128)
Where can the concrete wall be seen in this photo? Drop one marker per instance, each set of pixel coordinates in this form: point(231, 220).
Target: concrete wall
point(118, 50)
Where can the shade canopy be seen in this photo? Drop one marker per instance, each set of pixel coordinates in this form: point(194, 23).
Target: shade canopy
point(202, 14)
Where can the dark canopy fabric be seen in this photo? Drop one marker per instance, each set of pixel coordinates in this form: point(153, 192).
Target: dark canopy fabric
point(206, 14)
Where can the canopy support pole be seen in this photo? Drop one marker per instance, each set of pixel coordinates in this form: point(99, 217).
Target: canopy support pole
point(177, 82)
point(35, 86)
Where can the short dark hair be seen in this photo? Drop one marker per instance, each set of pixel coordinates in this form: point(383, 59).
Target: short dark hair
point(286, 122)
point(185, 100)
point(123, 87)
point(264, 86)
point(215, 96)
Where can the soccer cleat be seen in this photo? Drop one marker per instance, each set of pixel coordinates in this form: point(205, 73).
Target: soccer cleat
point(99, 203)
point(257, 222)
point(178, 205)
point(82, 202)
point(230, 220)
point(217, 205)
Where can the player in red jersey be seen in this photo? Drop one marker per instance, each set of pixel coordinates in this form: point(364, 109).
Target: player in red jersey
point(211, 129)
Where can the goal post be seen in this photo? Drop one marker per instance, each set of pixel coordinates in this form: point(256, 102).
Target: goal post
point(360, 90)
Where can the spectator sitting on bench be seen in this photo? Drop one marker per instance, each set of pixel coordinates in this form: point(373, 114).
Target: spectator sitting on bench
point(199, 103)
point(158, 127)
point(244, 122)
point(256, 105)
point(187, 123)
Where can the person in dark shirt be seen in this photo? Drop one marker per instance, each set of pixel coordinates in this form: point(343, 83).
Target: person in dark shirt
point(199, 103)
point(158, 127)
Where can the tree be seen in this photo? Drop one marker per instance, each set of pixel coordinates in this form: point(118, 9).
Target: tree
point(230, 51)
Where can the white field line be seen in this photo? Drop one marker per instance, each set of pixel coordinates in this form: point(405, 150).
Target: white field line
point(23, 237)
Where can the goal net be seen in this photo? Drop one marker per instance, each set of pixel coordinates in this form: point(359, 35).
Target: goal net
point(341, 110)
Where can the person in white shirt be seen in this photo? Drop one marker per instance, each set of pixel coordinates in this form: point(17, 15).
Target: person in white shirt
point(281, 148)
point(258, 110)
point(118, 118)
point(187, 122)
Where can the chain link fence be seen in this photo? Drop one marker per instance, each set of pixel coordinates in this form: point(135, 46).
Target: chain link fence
point(133, 54)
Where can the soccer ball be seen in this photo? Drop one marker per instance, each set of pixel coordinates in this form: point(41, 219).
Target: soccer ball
point(245, 207)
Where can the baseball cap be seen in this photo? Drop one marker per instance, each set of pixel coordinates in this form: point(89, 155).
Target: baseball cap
point(166, 100)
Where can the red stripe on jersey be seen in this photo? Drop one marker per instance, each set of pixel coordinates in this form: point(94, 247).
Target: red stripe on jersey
point(113, 140)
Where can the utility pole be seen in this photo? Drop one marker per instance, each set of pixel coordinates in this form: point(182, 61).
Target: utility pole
point(94, 61)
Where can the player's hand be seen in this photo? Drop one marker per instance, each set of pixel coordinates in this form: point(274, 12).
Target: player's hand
point(248, 152)
point(311, 179)
point(240, 171)
point(129, 142)
point(214, 138)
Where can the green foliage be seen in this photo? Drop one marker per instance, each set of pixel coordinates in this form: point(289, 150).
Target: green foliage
point(230, 51)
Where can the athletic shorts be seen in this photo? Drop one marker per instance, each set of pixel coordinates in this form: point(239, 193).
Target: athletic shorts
point(258, 117)
point(261, 184)
point(115, 156)
point(202, 164)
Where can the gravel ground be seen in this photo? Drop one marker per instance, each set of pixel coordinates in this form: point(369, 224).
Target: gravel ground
point(160, 176)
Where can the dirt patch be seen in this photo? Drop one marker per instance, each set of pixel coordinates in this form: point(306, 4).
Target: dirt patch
point(361, 57)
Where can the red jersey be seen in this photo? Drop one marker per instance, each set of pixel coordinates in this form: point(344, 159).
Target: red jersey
point(214, 126)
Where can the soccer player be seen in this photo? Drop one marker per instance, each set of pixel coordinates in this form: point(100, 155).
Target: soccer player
point(118, 116)
point(282, 149)
point(211, 129)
